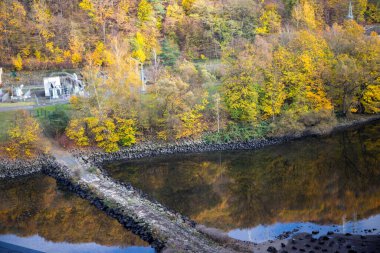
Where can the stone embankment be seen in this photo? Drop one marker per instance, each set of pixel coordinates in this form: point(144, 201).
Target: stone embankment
point(16, 168)
point(152, 149)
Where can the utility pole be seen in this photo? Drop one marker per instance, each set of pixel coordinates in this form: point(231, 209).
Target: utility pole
point(350, 12)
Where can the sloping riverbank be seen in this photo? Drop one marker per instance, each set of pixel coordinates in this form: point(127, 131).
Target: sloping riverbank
point(21, 167)
point(151, 149)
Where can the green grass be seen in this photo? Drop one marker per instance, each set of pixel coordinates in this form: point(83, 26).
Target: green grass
point(55, 107)
point(7, 118)
point(6, 122)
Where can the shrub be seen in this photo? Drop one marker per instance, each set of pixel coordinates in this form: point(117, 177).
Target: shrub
point(107, 133)
point(56, 122)
point(316, 122)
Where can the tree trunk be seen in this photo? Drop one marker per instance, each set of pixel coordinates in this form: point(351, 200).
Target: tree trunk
point(143, 88)
point(104, 32)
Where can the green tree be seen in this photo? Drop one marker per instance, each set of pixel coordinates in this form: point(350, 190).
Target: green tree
point(345, 83)
point(304, 15)
point(241, 97)
point(145, 11)
point(269, 21)
point(372, 14)
point(169, 52)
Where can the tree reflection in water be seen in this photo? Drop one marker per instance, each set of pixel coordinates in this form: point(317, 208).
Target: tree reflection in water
point(35, 206)
point(316, 180)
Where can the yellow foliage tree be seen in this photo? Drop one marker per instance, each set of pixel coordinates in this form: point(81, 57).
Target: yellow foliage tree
point(104, 133)
point(371, 98)
point(274, 96)
point(100, 56)
point(76, 50)
point(144, 11)
point(241, 97)
point(76, 131)
point(100, 11)
point(187, 4)
point(43, 17)
point(269, 21)
point(118, 77)
point(302, 65)
point(24, 136)
point(107, 133)
point(139, 51)
point(266, 73)
point(17, 62)
point(12, 26)
point(178, 109)
point(192, 123)
point(174, 16)
point(304, 15)
point(126, 131)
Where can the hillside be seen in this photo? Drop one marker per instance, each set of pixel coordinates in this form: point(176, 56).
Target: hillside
point(218, 70)
point(45, 34)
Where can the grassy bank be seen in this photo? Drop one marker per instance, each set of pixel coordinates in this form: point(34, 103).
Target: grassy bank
point(47, 116)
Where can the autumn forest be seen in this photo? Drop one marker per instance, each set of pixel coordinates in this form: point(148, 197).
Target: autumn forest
point(218, 70)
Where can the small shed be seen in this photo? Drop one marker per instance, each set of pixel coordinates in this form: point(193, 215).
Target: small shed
point(51, 83)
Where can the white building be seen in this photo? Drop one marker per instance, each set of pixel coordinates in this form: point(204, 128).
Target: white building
point(53, 86)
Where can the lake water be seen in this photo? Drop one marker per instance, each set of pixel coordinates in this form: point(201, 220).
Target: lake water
point(324, 184)
point(36, 214)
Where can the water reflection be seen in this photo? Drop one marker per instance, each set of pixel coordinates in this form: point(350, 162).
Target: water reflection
point(34, 213)
point(318, 180)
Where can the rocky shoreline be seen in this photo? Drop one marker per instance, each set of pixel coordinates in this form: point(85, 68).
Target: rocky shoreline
point(152, 149)
point(21, 167)
point(18, 167)
point(330, 242)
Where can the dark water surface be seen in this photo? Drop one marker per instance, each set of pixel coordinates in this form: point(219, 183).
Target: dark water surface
point(36, 214)
point(325, 184)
